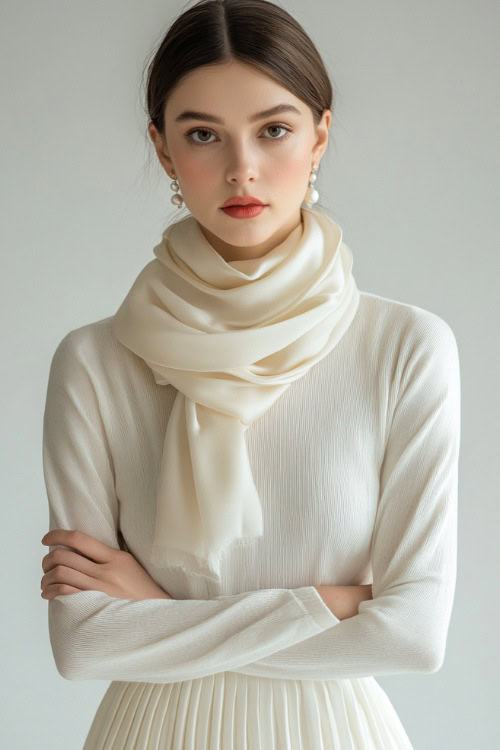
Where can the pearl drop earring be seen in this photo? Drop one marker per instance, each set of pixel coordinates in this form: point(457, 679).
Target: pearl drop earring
point(176, 199)
point(312, 194)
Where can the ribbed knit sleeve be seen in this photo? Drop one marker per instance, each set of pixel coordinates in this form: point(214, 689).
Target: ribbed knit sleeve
point(95, 636)
point(404, 627)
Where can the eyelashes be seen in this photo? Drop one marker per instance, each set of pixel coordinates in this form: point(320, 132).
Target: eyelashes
point(288, 130)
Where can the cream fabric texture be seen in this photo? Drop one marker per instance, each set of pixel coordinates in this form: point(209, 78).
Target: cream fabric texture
point(356, 465)
point(231, 338)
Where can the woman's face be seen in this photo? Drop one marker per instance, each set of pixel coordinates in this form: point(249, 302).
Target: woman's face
point(270, 158)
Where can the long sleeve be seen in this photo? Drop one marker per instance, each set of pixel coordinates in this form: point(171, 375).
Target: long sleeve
point(95, 636)
point(404, 627)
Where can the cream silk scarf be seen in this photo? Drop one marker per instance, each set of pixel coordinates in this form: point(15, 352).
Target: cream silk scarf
point(231, 337)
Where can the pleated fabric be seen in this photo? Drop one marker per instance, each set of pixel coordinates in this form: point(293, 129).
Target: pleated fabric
point(232, 711)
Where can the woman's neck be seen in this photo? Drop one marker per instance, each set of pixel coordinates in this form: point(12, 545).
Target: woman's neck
point(234, 252)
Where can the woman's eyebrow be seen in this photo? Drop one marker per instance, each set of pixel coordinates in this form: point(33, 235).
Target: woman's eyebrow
point(190, 114)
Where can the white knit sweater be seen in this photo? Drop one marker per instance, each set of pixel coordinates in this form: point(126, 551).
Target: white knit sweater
point(356, 466)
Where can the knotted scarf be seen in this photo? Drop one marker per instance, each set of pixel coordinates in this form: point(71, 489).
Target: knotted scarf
point(231, 337)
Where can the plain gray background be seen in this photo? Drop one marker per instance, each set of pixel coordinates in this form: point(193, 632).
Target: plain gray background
point(412, 175)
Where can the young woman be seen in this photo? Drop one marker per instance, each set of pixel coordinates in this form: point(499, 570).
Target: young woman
point(252, 466)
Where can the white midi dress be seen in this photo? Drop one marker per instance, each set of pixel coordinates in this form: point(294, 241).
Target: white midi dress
point(229, 710)
point(356, 467)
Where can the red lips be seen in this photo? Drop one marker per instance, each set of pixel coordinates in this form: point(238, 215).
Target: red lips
point(243, 200)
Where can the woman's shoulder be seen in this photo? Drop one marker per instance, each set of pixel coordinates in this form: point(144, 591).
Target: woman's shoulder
point(395, 318)
point(87, 340)
point(94, 348)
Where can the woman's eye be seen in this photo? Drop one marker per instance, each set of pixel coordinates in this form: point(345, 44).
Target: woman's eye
point(198, 130)
point(279, 127)
point(209, 133)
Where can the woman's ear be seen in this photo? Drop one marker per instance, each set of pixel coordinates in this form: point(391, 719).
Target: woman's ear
point(160, 148)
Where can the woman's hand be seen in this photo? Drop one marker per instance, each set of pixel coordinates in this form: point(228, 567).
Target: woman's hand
point(344, 601)
point(90, 565)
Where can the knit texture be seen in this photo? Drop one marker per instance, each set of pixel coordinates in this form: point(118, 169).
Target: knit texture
point(356, 465)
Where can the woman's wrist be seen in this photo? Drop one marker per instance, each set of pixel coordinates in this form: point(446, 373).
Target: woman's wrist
point(344, 601)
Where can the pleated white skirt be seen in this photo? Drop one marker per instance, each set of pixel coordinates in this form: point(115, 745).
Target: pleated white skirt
point(232, 711)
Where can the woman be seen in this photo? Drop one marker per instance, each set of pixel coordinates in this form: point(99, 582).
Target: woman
point(252, 466)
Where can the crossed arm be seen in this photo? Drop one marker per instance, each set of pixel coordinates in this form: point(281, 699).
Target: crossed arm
point(82, 563)
point(302, 633)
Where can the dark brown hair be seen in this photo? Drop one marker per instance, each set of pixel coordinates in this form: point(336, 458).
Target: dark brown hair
point(255, 32)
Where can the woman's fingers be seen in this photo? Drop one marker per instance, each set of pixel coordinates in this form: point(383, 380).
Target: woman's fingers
point(51, 591)
point(80, 542)
point(58, 564)
point(66, 572)
point(75, 565)
point(61, 578)
point(63, 556)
